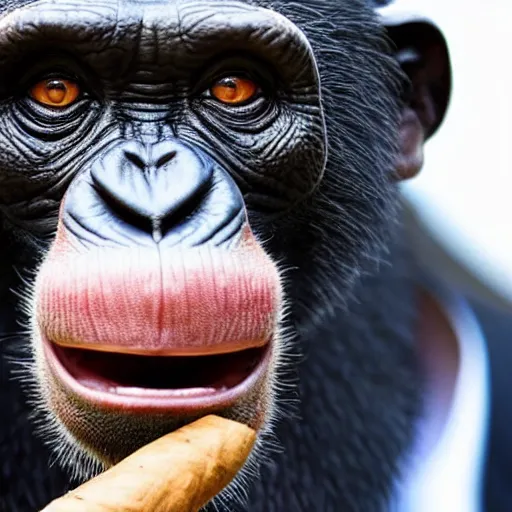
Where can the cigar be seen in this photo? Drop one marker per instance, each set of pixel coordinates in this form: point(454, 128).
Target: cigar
point(180, 472)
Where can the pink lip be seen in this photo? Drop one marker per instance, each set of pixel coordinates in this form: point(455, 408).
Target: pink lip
point(142, 400)
point(140, 301)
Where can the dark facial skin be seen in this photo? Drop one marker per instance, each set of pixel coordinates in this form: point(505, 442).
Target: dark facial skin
point(154, 162)
point(300, 177)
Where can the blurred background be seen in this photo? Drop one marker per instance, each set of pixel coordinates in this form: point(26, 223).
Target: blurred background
point(460, 220)
point(461, 203)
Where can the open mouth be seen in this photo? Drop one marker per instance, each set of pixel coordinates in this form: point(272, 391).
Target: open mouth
point(181, 384)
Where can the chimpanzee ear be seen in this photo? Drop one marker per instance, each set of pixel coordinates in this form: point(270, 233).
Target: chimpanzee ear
point(423, 55)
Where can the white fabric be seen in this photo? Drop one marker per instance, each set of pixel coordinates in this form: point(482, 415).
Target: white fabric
point(450, 478)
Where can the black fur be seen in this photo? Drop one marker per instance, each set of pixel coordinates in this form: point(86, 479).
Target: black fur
point(348, 285)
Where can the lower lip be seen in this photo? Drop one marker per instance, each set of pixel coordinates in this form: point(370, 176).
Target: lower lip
point(140, 400)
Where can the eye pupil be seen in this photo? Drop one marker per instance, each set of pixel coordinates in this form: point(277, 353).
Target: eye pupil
point(56, 84)
point(234, 90)
point(229, 82)
point(231, 91)
point(55, 92)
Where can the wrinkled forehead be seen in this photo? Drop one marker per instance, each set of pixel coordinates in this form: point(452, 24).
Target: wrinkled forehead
point(10, 5)
point(169, 14)
point(185, 19)
point(168, 32)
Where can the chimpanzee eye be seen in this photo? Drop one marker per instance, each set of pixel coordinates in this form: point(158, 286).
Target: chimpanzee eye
point(55, 92)
point(234, 90)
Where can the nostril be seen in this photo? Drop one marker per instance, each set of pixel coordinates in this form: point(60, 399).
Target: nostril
point(117, 204)
point(165, 159)
point(135, 160)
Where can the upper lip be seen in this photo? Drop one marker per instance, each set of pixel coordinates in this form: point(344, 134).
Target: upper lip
point(193, 302)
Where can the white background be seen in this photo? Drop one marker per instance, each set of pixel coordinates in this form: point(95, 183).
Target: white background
point(463, 196)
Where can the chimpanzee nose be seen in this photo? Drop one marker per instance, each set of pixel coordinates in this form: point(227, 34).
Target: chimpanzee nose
point(167, 190)
point(152, 186)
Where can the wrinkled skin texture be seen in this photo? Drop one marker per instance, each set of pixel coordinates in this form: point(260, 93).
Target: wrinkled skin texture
point(310, 161)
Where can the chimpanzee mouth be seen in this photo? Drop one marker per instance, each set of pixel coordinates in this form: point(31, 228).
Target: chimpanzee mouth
point(181, 384)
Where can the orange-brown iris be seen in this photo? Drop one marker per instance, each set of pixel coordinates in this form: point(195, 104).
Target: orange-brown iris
point(55, 92)
point(234, 90)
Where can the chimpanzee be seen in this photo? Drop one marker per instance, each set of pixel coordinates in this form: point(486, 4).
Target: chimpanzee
point(252, 150)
